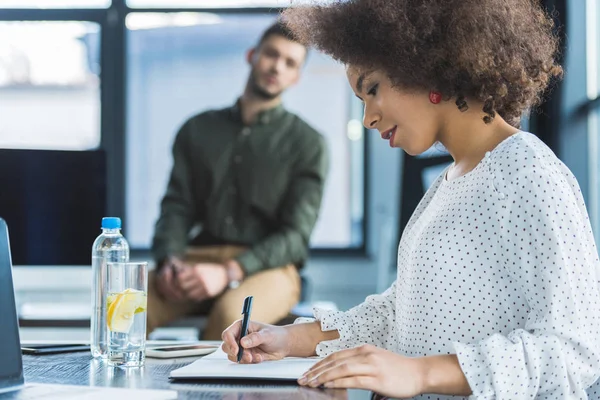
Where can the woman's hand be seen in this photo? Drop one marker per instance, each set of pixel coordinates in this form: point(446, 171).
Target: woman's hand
point(371, 368)
point(263, 342)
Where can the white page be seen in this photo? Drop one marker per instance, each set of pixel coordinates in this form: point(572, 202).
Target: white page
point(216, 365)
point(51, 392)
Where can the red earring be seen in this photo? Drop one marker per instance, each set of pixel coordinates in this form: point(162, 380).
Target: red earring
point(435, 97)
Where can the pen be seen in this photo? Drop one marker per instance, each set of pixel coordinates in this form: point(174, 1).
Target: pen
point(246, 312)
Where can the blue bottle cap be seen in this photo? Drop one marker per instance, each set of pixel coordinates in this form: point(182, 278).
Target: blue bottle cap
point(111, 223)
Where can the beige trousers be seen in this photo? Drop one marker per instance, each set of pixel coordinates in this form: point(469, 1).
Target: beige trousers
point(276, 291)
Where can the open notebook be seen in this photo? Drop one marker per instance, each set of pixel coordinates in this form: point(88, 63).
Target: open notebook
point(217, 366)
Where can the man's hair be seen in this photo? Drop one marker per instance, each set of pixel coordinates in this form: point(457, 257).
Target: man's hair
point(280, 29)
point(499, 52)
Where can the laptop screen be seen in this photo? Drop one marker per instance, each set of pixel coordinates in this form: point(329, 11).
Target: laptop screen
point(11, 366)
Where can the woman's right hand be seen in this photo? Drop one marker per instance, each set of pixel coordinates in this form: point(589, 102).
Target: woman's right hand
point(263, 342)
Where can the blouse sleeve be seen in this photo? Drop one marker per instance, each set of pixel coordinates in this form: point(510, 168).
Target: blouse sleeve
point(549, 250)
point(371, 322)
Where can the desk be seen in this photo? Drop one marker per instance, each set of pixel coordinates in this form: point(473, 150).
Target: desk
point(81, 369)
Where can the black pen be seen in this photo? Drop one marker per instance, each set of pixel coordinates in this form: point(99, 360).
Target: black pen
point(246, 310)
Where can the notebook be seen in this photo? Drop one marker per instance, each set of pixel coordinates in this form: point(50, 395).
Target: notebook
point(217, 366)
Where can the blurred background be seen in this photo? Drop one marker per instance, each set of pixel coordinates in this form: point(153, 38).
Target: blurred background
point(92, 93)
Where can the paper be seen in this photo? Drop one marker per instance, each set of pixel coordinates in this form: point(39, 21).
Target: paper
point(51, 392)
point(216, 365)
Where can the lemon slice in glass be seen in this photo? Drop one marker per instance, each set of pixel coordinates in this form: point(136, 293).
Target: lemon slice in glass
point(122, 307)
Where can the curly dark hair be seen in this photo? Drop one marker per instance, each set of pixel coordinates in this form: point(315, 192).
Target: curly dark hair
point(499, 52)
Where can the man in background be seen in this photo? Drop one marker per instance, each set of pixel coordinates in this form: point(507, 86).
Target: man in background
point(252, 177)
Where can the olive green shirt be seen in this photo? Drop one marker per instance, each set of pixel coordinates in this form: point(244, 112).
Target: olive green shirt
point(259, 185)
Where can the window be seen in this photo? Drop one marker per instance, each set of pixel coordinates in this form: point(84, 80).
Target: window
point(180, 64)
point(54, 3)
point(212, 3)
point(66, 84)
point(593, 93)
point(49, 85)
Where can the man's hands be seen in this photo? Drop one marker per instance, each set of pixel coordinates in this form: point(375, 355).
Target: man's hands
point(202, 281)
point(178, 280)
point(166, 280)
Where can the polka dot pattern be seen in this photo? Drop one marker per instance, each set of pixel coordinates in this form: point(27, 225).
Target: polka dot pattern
point(500, 267)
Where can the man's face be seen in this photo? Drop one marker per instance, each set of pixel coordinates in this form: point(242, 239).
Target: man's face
point(276, 65)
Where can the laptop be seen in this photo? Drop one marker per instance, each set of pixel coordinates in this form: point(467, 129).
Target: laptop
point(12, 383)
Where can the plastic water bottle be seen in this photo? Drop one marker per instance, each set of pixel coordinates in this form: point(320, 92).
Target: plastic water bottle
point(110, 246)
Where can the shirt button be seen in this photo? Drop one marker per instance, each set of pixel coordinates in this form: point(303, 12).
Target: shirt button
point(237, 159)
point(229, 220)
point(246, 131)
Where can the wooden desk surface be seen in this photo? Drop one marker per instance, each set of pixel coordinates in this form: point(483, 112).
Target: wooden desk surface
point(80, 369)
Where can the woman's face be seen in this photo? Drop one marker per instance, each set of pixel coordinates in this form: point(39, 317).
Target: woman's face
point(407, 119)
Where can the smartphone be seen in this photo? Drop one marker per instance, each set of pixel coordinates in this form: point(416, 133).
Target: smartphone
point(184, 350)
point(53, 348)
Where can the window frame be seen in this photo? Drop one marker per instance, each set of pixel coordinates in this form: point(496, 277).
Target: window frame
point(113, 96)
point(111, 131)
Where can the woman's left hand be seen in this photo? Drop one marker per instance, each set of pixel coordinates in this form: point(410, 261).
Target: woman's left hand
point(368, 367)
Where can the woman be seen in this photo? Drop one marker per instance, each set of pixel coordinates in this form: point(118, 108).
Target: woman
point(497, 294)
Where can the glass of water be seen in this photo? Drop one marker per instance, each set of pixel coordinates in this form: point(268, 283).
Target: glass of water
point(126, 303)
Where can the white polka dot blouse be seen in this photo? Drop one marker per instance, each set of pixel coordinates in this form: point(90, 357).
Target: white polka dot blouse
point(499, 267)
